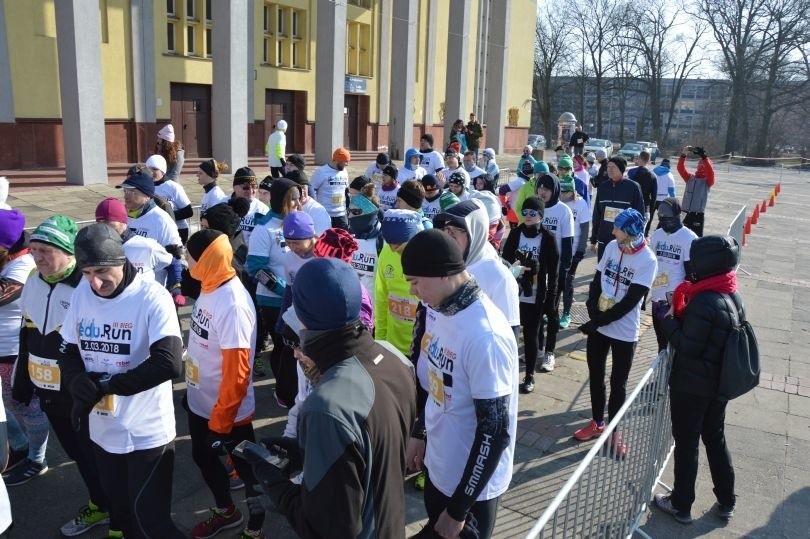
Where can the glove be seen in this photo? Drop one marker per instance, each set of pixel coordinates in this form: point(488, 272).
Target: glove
point(23, 392)
point(290, 445)
point(86, 392)
point(272, 480)
point(219, 444)
point(504, 210)
point(178, 297)
point(588, 328)
point(259, 505)
point(283, 162)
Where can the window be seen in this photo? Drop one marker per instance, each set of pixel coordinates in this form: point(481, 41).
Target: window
point(208, 42)
point(170, 39)
point(170, 9)
point(190, 9)
point(188, 24)
point(358, 50)
point(190, 45)
point(285, 36)
point(208, 13)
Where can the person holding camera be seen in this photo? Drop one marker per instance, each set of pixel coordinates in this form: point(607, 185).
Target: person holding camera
point(219, 396)
point(696, 194)
point(535, 251)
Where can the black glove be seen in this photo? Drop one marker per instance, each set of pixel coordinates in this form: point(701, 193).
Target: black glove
point(699, 151)
point(272, 480)
point(290, 445)
point(219, 444)
point(85, 389)
point(258, 506)
point(588, 328)
point(504, 210)
point(23, 392)
point(593, 308)
point(283, 162)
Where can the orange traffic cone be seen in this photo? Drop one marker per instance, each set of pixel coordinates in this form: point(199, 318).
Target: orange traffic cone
point(778, 188)
point(771, 203)
point(747, 228)
point(755, 215)
point(764, 207)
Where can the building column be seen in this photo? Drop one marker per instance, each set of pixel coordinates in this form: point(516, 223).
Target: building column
point(229, 105)
point(78, 46)
point(250, 79)
point(400, 133)
point(480, 85)
point(430, 67)
point(6, 88)
point(386, 61)
point(497, 68)
point(330, 78)
point(144, 94)
point(455, 93)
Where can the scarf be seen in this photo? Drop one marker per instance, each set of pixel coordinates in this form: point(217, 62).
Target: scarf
point(60, 275)
point(725, 283)
point(633, 245)
point(459, 300)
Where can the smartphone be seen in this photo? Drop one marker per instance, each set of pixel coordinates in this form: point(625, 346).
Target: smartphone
point(669, 298)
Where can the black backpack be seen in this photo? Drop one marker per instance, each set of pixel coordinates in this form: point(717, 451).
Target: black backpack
point(739, 372)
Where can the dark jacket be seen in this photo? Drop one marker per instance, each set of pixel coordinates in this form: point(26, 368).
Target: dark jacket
point(352, 429)
point(648, 183)
point(699, 338)
point(620, 196)
point(547, 275)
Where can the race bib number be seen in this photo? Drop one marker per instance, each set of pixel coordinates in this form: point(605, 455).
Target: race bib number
point(192, 372)
point(611, 213)
point(662, 279)
point(402, 308)
point(436, 382)
point(107, 406)
point(45, 373)
point(606, 302)
point(337, 199)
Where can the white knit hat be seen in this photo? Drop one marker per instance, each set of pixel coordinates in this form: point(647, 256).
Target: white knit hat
point(157, 161)
point(167, 133)
point(282, 125)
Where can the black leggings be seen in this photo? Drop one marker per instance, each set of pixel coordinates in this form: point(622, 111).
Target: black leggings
point(481, 516)
point(282, 360)
point(79, 448)
point(212, 468)
point(694, 222)
point(140, 488)
point(653, 212)
point(568, 289)
point(531, 318)
point(597, 351)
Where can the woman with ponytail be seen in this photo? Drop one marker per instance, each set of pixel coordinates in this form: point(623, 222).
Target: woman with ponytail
point(207, 176)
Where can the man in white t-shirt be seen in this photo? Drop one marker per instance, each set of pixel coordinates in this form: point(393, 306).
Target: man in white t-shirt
point(467, 368)
point(329, 184)
point(122, 348)
point(623, 278)
point(431, 160)
point(670, 243)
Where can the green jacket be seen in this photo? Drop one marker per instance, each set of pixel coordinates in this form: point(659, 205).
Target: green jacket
point(525, 191)
point(394, 306)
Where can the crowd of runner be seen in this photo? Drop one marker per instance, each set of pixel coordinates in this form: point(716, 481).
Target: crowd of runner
point(389, 306)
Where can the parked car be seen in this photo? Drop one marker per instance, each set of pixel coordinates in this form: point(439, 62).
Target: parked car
point(537, 141)
point(651, 147)
point(631, 150)
point(595, 144)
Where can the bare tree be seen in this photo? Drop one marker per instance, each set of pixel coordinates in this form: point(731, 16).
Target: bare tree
point(682, 64)
point(551, 55)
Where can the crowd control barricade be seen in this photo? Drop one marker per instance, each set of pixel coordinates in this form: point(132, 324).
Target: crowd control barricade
point(609, 491)
point(736, 229)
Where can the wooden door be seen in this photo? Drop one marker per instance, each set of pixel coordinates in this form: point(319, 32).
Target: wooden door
point(191, 117)
point(279, 105)
point(351, 112)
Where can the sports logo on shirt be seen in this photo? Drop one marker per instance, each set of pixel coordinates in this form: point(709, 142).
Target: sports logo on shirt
point(200, 322)
point(364, 262)
point(668, 250)
point(105, 338)
point(140, 232)
point(551, 223)
point(614, 272)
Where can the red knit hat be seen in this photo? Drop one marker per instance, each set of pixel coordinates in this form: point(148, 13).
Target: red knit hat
point(111, 209)
point(336, 243)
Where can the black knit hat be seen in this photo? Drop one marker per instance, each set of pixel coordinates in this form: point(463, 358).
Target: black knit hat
point(99, 245)
point(534, 203)
point(432, 253)
point(244, 175)
point(359, 182)
point(620, 162)
point(391, 170)
point(223, 218)
point(297, 160)
point(383, 159)
point(298, 176)
point(199, 242)
point(278, 191)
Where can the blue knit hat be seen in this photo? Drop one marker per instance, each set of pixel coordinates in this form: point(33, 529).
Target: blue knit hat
point(298, 225)
point(327, 294)
point(399, 226)
point(630, 221)
point(541, 167)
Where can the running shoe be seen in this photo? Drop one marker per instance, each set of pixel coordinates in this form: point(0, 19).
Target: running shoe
point(89, 517)
point(419, 482)
point(258, 367)
point(25, 472)
point(565, 320)
point(664, 503)
point(528, 384)
point(548, 362)
point(589, 432)
point(220, 519)
point(251, 534)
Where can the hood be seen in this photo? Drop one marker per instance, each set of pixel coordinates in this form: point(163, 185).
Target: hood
point(550, 181)
point(471, 215)
point(410, 153)
point(661, 170)
point(490, 202)
point(214, 266)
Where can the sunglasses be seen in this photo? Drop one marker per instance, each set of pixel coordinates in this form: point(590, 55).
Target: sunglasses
point(530, 213)
point(355, 211)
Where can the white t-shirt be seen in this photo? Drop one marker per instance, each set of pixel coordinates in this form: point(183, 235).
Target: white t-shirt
point(113, 336)
point(328, 186)
point(375, 174)
point(665, 182)
point(5, 504)
point(431, 161)
point(293, 263)
point(672, 251)
point(619, 271)
point(156, 224)
point(559, 220)
point(149, 258)
point(581, 213)
point(499, 285)
point(406, 174)
point(387, 198)
point(248, 222)
point(320, 217)
point(530, 245)
point(449, 172)
point(11, 313)
point(213, 197)
point(224, 319)
point(364, 262)
point(470, 355)
point(431, 208)
point(267, 240)
point(175, 195)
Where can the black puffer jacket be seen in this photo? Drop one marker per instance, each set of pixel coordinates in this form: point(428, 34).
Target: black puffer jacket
point(699, 338)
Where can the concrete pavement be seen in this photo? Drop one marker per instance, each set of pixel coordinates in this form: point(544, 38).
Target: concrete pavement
point(768, 430)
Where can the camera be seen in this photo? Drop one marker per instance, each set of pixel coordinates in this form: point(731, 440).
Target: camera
point(699, 151)
point(526, 280)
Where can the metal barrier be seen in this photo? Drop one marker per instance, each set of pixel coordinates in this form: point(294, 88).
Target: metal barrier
point(736, 229)
point(609, 493)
